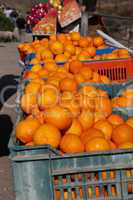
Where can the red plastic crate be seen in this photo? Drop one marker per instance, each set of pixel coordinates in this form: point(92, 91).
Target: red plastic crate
point(118, 70)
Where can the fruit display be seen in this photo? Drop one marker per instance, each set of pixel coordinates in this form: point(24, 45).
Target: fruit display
point(71, 119)
point(68, 51)
point(67, 47)
point(74, 133)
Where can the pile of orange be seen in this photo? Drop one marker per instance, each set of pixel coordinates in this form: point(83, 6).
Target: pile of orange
point(76, 70)
point(124, 100)
point(68, 47)
point(71, 119)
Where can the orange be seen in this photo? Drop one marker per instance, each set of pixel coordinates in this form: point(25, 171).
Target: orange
point(29, 144)
point(75, 36)
point(82, 57)
point(115, 120)
point(60, 58)
point(46, 54)
point(112, 175)
point(111, 56)
point(66, 66)
point(70, 49)
point(68, 101)
point(86, 102)
point(36, 68)
point(28, 102)
point(91, 51)
point(105, 79)
point(67, 54)
point(102, 93)
point(105, 127)
point(85, 52)
point(123, 102)
point(58, 116)
point(83, 42)
point(129, 174)
point(34, 61)
point(86, 118)
point(99, 116)
point(32, 88)
point(97, 57)
point(79, 78)
point(48, 97)
point(44, 42)
point(98, 41)
point(128, 92)
point(91, 133)
point(37, 114)
point(54, 81)
point(126, 145)
point(75, 43)
point(90, 40)
point(86, 73)
point(26, 128)
point(43, 73)
point(71, 143)
point(103, 105)
point(75, 66)
point(62, 38)
point(53, 37)
point(89, 91)
point(123, 52)
point(38, 81)
point(91, 192)
point(68, 84)
point(130, 122)
point(95, 78)
point(57, 47)
point(73, 107)
point(78, 50)
point(50, 66)
point(112, 145)
point(47, 134)
point(30, 75)
point(65, 196)
point(75, 128)
point(49, 60)
point(122, 134)
point(97, 144)
point(102, 47)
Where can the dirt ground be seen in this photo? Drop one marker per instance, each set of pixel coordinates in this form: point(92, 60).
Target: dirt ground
point(6, 189)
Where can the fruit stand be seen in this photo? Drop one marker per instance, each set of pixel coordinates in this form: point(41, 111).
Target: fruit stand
point(73, 138)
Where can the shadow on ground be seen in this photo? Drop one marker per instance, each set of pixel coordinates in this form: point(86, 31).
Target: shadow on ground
point(8, 87)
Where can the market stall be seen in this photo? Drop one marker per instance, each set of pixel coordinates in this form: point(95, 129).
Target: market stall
point(73, 136)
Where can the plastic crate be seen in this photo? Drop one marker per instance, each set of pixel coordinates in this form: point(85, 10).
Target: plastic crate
point(118, 70)
point(40, 173)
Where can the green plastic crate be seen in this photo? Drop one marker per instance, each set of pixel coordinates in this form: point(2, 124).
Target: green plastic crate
point(40, 173)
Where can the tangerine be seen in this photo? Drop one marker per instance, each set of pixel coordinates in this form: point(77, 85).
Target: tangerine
point(47, 134)
point(122, 134)
point(58, 116)
point(71, 143)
